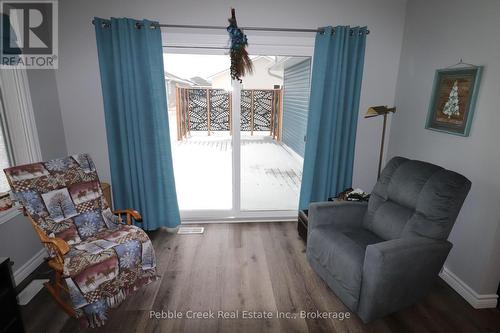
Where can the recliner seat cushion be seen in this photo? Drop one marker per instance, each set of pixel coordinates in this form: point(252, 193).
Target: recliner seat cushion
point(341, 253)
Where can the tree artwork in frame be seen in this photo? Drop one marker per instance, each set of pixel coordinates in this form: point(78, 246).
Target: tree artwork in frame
point(453, 100)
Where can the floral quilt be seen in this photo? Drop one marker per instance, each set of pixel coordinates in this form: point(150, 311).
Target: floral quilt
point(107, 260)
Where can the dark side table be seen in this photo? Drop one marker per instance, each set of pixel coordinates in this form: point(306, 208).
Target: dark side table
point(302, 224)
point(10, 316)
point(304, 217)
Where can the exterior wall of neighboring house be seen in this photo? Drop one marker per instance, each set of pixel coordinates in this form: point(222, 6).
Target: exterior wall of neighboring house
point(259, 79)
point(171, 96)
point(171, 82)
point(295, 105)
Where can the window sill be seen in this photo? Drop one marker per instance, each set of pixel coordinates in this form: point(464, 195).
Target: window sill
point(9, 214)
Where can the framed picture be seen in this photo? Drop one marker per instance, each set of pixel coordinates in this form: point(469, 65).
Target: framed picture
point(453, 100)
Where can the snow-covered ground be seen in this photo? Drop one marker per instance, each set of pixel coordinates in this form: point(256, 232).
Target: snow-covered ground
point(270, 174)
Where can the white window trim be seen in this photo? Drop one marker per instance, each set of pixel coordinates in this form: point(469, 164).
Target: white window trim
point(20, 116)
point(21, 125)
point(9, 214)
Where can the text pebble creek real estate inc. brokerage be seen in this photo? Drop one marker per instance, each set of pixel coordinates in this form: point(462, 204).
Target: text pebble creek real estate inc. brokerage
point(244, 314)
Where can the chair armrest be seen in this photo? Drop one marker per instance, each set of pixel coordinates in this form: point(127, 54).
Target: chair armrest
point(57, 244)
point(336, 213)
point(58, 247)
point(130, 213)
point(398, 272)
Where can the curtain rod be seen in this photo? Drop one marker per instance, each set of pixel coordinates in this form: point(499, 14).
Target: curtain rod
point(174, 46)
point(188, 26)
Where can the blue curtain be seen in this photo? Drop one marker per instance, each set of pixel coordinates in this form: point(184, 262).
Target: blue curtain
point(135, 106)
point(333, 113)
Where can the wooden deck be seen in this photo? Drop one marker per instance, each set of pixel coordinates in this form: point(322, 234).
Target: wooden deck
point(270, 174)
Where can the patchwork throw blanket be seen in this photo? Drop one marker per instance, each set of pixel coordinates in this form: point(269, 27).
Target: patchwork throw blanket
point(107, 260)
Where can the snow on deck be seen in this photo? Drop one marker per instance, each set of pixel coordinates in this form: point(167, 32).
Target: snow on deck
point(270, 174)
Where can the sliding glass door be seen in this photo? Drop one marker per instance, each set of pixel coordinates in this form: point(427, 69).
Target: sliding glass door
point(237, 147)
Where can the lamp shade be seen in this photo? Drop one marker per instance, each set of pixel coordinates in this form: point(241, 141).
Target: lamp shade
point(374, 111)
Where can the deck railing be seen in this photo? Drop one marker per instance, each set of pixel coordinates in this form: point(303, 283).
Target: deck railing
point(207, 109)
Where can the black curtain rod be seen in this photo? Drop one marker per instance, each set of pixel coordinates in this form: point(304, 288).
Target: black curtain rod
point(206, 27)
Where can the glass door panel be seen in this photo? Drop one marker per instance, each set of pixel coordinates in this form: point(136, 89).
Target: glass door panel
point(274, 105)
point(199, 118)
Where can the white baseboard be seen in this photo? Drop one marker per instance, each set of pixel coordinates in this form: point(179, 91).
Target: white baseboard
point(22, 272)
point(478, 301)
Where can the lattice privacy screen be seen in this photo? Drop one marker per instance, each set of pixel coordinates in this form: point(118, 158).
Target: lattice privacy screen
point(206, 109)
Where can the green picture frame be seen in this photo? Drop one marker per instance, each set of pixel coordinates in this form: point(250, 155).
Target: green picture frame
point(453, 100)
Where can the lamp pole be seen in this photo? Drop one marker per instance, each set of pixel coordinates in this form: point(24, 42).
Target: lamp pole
point(375, 111)
point(382, 146)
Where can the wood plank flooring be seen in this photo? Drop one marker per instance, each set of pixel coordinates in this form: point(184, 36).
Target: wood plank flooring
point(253, 267)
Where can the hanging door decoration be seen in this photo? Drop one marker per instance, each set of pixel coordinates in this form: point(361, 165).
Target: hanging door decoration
point(240, 60)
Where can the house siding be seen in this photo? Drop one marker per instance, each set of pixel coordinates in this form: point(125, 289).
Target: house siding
point(296, 86)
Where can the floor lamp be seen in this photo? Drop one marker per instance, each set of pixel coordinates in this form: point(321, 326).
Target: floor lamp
point(375, 111)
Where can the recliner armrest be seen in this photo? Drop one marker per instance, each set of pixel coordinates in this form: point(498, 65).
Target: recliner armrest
point(398, 250)
point(337, 213)
point(398, 272)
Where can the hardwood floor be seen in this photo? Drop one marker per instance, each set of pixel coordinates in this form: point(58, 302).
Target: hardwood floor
point(253, 267)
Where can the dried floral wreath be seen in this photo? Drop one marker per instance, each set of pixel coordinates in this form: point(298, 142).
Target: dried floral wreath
point(240, 60)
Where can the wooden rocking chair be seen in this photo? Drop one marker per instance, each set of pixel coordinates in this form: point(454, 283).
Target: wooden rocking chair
point(64, 201)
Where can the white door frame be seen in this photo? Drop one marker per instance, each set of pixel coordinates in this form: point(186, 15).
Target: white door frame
point(283, 44)
point(236, 145)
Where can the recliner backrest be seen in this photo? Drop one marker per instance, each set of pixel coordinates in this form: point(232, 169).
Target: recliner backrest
point(415, 198)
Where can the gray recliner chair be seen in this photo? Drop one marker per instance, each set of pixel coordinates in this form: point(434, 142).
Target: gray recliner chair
point(381, 256)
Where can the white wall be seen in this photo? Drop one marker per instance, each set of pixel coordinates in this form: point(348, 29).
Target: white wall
point(78, 75)
point(438, 34)
point(18, 241)
point(47, 112)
